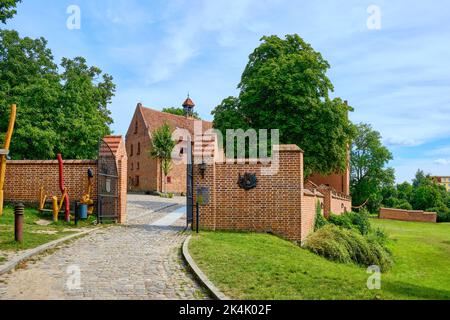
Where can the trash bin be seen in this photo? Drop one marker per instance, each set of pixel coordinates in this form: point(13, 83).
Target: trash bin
point(83, 211)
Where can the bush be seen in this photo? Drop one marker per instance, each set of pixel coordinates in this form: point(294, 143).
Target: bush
point(352, 220)
point(443, 213)
point(404, 205)
point(346, 245)
point(320, 219)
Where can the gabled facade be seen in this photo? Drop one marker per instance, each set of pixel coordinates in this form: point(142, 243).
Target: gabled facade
point(144, 173)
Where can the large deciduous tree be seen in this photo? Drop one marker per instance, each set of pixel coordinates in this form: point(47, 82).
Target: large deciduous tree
point(84, 100)
point(285, 87)
point(369, 174)
point(8, 9)
point(57, 112)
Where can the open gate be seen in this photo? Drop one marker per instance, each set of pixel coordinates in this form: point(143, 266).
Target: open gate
point(190, 185)
point(107, 184)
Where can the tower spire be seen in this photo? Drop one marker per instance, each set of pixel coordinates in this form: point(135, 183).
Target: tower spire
point(188, 106)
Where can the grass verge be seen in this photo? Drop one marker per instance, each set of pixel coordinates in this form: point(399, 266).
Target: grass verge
point(259, 266)
point(34, 235)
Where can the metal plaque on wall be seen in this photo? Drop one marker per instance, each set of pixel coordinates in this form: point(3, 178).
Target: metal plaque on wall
point(203, 195)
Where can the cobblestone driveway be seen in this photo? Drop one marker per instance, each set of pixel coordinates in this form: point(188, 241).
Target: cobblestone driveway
point(136, 261)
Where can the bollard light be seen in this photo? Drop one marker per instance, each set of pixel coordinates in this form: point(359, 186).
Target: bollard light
point(18, 222)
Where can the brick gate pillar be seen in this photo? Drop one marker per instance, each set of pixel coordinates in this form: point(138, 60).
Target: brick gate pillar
point(117, 145)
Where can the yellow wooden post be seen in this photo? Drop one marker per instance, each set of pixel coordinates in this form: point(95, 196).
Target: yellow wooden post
point(8, 136)
point(55, 209)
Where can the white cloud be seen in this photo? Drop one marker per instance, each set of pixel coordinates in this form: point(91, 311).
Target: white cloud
point(442, 162)
point(445, 151)
point(397, 141)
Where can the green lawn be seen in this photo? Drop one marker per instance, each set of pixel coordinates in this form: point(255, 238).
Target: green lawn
point(34, 235)
point(260, 266)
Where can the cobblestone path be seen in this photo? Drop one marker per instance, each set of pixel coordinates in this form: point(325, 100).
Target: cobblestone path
point(136, 261)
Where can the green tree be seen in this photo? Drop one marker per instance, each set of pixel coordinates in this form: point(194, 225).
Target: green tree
point(404, 191)
point(162, 147)
point(285, 87)
point(84, 103)
point(64, 112)
point(8, 9)
point(227, 115)
point(180, 112)
point(369, 174)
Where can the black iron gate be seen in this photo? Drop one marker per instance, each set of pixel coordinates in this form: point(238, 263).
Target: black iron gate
point(190, 185)
point(107, 184)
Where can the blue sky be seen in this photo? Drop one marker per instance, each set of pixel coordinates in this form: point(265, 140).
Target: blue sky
point(397, 78)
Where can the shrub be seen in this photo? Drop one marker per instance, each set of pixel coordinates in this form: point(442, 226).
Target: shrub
point(443, 213)
point(352, 220)
point(320, 219)
point(346, 245)
point(404, 205)
point(378, 235)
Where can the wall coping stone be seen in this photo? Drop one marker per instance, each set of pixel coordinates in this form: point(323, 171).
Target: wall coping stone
point(52, 162)
point(288, 148)
point(410, 211)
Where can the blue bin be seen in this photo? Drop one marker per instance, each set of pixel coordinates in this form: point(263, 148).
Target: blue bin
point(83, 211)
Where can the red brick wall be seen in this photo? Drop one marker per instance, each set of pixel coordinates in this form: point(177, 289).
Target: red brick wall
point(339, 182)
point(141, 165)
point(335, 203)
point(276, 205)
point(122, 163)
point(405, 215)
point(24, 179)
point(309, 204)
point(340, 205)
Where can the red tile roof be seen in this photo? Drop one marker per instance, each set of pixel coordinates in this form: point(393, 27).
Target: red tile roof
point(113, 142)
point(155, 119)
point(188, 103)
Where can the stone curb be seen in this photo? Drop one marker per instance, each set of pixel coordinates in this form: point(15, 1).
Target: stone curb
point(10, 265)
point(215, 292)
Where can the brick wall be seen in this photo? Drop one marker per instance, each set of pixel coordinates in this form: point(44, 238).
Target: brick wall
point(310, 200)
point(406, 215)
point(140, 164)
point(122, 165)
point(276, 205)
point(24, 179)
point(334, 202)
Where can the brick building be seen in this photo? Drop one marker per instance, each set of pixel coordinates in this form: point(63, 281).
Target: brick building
point(443, 181)
point(144, 173)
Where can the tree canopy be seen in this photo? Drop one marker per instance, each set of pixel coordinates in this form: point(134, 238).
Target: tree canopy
point(8, 9)
point(423, 194)
point(284, 86)
point(63, 111)
point(368, 167)
point(180, 112)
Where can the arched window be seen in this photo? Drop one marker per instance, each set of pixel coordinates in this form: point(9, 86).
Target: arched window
point(139, 148)
point(131, 150)
point(136, 127)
